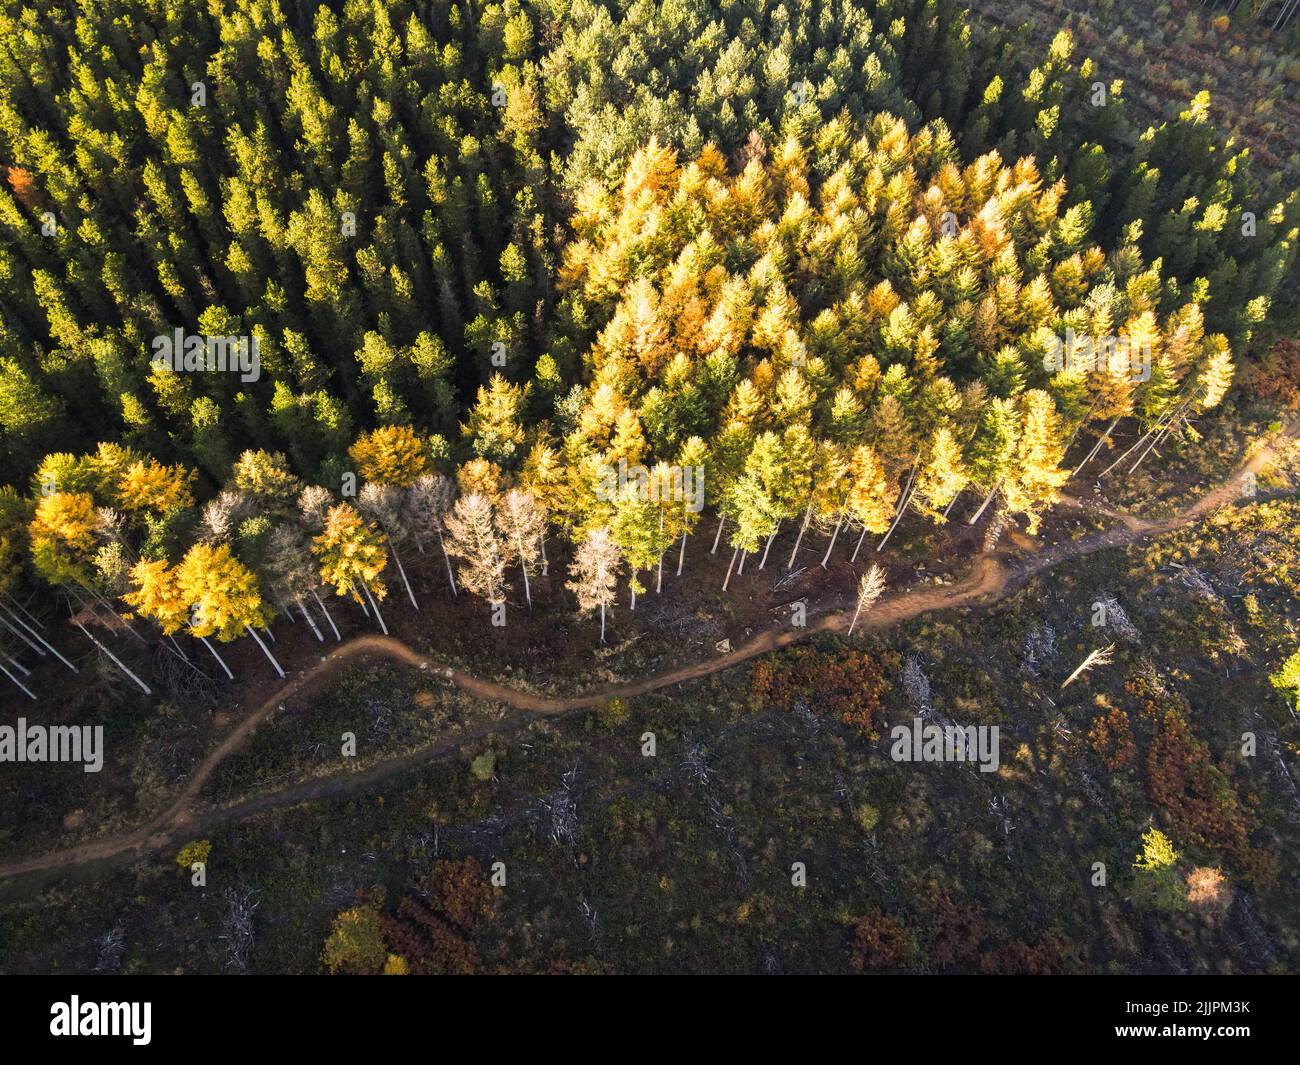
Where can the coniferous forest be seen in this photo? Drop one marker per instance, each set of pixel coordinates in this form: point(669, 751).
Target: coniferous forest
point(556, 345)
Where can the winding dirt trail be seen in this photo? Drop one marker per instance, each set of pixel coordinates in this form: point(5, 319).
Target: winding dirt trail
point(992, 577)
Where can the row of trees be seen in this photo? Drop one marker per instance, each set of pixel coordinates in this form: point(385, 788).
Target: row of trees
point(103, 530)
point(781, 244)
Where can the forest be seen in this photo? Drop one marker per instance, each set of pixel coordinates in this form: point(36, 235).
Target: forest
point(483, 253)
point(313, 312)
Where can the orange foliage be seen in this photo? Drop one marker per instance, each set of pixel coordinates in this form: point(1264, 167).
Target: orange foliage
point(428, 943)
point(1197, 798)
point(461, 890)
point(24, 187)
point(1276, 376)
point(960, 935)
point(1112, 739)
point(879, 942)
point(848, 684)
point(434, 933)
point(957, 931)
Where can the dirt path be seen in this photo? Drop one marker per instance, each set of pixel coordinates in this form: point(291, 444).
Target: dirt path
point(991, 578)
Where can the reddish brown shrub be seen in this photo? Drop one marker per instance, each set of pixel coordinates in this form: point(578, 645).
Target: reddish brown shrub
point(879, 942)
point(1276, 376)
point(1112, 739)
point(848, 685)
point(956, 931)
point(461, 891)
point(433, 931)
point(1197, 798)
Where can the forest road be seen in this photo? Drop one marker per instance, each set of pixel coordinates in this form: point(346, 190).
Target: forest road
point(991, 578)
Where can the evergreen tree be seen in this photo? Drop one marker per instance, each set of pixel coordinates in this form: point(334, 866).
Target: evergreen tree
point(594, 574)
point(475, 542)
point(520, 521)
point(351, 557)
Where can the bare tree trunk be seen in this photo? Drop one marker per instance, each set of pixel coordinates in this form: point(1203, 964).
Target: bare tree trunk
point(117, 661)
point(987, 500)
point(834, 536)
point(743, 555)
point(681, 555)
point(523, 566)
point(325, 610)
point(380, 617)
point(22, 636)
point(402, 571)
point(858, 546)
point(1150, 448)
point(1101, 440)
point(219, 659)
point(763, 561)
point(265, 650)
point(659, 576)
point(1100, 657)
point(602, 622)
point(541, 543)
point(21, 686)
point(174, 648)
point(17, 608)
point(1159, 427)
point(39, 639)
point(722, 520)
point(1169, 427)
point(1132, 448)
point(310, 620)
point(285, 610)
point(447, 558)
point(17, 665)
point(360, 602)
point(633, 589)
point(727, 579)
point(113, 610)
point(904, 502)
point(794, 551)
